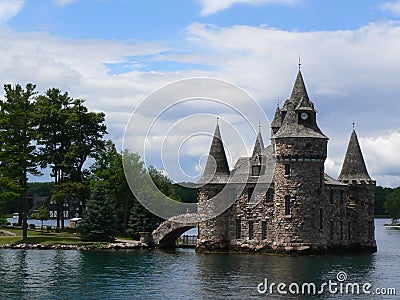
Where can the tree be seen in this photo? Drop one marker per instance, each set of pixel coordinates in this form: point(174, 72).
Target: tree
point(41, 189)
point(41, 214)
point(17, 141)
point(87, 129)
point(381, 194)
point(142, 220)
point(9, 191)
point(392, 205)
point(99, 220)
point(186, 192)
point(108, 168)
point(70, 191)
point(68, 135)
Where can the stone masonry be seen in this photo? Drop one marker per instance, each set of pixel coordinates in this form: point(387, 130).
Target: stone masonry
point(293, 206)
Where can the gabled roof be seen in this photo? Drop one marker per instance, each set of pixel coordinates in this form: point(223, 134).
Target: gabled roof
point(216, 169)
point(277, 121)
point(353, 165)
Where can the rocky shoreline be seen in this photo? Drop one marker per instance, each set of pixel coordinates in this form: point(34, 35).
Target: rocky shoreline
point(110, 246)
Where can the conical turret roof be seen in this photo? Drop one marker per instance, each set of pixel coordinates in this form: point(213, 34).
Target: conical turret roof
point(291, 124)
point(216, 169)
point(299, 90)
point(258, 146)
point(354, 166)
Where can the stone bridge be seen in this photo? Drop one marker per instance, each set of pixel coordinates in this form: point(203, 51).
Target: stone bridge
point(170, 230)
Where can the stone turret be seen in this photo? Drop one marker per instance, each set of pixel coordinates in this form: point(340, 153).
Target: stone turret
point(300, 152)
point(361, 196)
point(216, 169)
point(213, 232)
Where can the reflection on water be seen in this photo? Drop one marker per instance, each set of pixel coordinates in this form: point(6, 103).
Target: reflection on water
point(182, 274)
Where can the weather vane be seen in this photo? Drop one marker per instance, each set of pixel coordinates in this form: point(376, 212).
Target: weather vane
point(299, 62)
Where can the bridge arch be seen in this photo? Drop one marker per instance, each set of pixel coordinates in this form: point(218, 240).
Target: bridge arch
point(169, 231)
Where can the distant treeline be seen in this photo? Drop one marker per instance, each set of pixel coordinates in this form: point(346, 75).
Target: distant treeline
point(381, 195)
point(184, 192)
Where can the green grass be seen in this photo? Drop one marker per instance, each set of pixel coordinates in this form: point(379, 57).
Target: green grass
point(9, 240)
point(49, 241)
point(31, 232)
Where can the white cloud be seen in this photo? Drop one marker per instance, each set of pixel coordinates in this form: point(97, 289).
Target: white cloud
point(351, 75)
point(382, 153)
point(391, 7)
point(9, 9)
point(63, 2)
point(210, 7)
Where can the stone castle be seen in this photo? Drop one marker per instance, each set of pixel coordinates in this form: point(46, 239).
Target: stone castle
point(300, 209)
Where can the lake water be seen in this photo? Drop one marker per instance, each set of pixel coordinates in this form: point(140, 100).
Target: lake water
point(38, 223)
point(183, 274)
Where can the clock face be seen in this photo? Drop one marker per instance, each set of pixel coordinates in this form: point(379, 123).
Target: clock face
point(304, 116)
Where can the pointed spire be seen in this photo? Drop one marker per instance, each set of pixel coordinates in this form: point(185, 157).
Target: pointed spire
point(217, 163)
point(299, 90)
point(258, 146)
point(277, 121)
point(354, 166)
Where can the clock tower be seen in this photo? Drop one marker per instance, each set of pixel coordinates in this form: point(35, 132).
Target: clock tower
point(300, 150)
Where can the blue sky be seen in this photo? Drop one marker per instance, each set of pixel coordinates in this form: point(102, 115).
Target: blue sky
point(114, 53)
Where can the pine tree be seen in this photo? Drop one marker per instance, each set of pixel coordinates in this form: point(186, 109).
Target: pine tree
point(17, 143)
point(99, 220)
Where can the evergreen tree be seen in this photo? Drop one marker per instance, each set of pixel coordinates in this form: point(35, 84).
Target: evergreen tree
point(141, 220)
point(68, 134)
point(99, 220)
point(18, 158)
point(108, 168)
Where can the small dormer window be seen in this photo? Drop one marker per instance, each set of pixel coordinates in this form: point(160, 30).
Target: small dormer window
point(255, 170)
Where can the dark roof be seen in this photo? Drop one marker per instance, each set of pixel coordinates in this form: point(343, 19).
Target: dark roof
point(328, 180)
point(277, 121)
point(354, 166)
point(258, 146)
point(217, 169)
point(305, 104)
point(299, 90)
point(242, 170)
point(298, 101)
point(291, 128)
